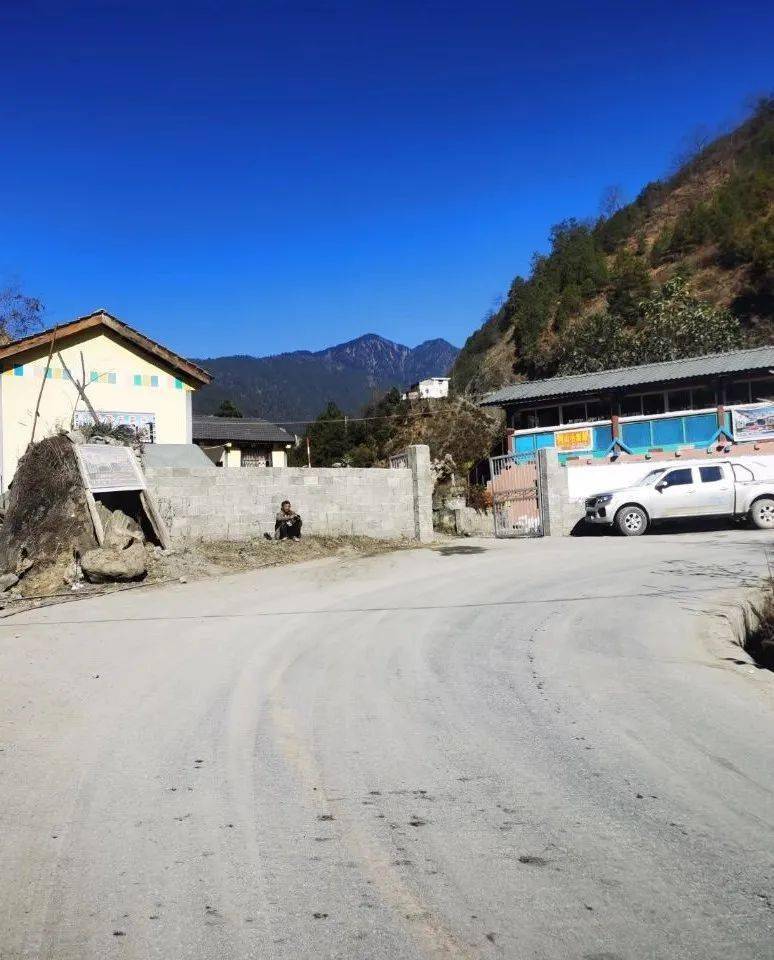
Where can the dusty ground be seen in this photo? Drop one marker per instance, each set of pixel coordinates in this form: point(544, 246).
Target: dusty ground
point(532, 750)
point(198, 561)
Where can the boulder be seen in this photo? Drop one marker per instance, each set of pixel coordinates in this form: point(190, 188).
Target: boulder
point(47, 520)
point(105, 563)
point(121, 530)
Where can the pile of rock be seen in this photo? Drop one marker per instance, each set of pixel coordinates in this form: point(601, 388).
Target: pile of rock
point(47, 538)
point(122, 556)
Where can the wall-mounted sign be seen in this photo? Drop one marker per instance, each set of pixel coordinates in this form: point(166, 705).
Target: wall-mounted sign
point(107, 468)
point(143, 424)
point(753, 423)
point(572, 441)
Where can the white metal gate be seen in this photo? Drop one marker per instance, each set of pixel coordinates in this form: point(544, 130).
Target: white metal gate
point(516, 497)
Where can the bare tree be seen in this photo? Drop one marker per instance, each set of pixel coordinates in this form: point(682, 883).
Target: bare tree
point(691, 146)
point(611, 201)
point(20, 315)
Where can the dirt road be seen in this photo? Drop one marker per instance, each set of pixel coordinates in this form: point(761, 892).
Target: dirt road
point(538, 749)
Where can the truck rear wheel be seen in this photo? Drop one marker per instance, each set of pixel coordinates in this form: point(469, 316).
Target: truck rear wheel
point(631, 521)
point(762, 513)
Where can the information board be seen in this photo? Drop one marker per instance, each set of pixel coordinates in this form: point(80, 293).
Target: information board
point(107, 468)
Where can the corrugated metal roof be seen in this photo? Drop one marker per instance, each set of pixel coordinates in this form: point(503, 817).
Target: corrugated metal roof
point(235, 428)
point(713, 364)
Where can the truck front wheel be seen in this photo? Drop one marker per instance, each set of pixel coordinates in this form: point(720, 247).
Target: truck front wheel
point(631, 521)
point(762, 513)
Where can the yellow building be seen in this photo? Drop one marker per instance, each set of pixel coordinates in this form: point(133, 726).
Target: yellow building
point(127, 379)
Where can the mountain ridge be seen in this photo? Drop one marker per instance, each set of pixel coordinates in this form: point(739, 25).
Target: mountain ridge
point(296, 385)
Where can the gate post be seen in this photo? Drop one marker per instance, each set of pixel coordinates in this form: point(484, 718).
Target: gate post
point(554, 493)
point(418, 457)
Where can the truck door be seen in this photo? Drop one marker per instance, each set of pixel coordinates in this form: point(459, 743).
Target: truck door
point(675, 494)
point(714, 490)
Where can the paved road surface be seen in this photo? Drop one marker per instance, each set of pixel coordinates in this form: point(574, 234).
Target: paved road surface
point(534, 749)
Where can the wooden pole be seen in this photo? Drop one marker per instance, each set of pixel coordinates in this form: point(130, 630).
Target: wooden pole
point(81, 389)
point(40, 392)
point(91, 503)
point(156, 520)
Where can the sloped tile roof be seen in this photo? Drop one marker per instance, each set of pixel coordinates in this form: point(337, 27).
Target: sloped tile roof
point(236, 428)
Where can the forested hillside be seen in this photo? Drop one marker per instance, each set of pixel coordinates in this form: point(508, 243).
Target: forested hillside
point(687, 268)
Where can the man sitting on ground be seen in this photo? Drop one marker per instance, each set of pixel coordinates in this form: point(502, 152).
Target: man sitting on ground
point(288, 523)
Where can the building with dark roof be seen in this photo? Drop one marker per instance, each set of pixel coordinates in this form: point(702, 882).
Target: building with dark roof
point(652, 408)
point(242, 442)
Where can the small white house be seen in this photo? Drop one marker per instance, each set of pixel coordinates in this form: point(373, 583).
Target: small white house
point(433, 388)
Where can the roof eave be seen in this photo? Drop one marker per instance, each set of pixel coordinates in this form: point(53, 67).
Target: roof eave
point(102, 318)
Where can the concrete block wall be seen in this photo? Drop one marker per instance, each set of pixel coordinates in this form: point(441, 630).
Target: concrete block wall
point(559, 516)
point(386, 504)
point(474, 523)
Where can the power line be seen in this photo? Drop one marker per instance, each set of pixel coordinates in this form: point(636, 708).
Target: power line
point(388, 416)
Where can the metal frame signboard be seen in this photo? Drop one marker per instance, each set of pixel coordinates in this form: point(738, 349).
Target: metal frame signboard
point(108, 469)
point(753, 423)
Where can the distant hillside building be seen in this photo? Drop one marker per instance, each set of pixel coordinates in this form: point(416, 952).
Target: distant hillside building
point(653, 409)
point(242, 442)
point(130, 381)
point(433, 388)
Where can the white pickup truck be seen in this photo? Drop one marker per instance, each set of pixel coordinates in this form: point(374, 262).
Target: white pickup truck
point(703, 488)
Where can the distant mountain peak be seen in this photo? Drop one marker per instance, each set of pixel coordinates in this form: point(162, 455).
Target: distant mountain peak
point(298, 384)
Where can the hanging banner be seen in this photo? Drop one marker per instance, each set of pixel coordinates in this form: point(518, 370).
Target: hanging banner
point(753, 423)
point(572, 441)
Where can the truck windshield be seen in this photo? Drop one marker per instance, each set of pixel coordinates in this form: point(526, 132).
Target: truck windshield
point(652, 477)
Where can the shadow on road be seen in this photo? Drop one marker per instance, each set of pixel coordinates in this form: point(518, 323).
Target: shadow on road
point(459, 550)
point(661, 528)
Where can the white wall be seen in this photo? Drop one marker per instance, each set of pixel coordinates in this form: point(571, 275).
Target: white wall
point(232, 457)
point(435, 388)
point(586, 480)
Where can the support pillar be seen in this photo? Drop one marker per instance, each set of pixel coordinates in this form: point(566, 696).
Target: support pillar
point(418, 457)
point(556, 513)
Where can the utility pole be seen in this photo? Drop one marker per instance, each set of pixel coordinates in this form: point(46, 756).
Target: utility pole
point(308, 452)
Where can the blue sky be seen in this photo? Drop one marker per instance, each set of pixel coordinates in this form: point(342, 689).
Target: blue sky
point(256, 177)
